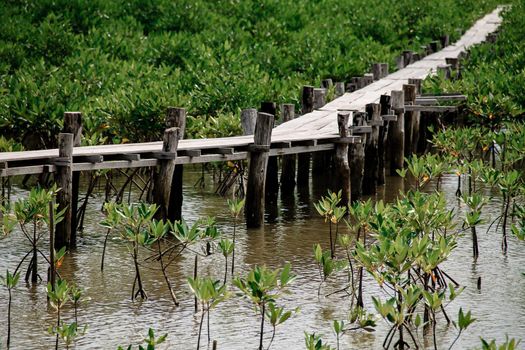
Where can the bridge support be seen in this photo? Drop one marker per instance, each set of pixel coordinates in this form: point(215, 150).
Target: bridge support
point(163, 179)
point(384, 102)
point(259, 154)
point(416, 117)
point(397, 132)
point(373, 111)
point(356, 154)
point(303, 159)
point(288, 167)
point(409, 92)
point(176, 118)
point(342, 167)
point(64, 180)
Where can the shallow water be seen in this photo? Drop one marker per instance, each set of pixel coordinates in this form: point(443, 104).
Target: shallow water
point(113, 319)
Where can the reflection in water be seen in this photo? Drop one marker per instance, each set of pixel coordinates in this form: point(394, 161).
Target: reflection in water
point(113, 319)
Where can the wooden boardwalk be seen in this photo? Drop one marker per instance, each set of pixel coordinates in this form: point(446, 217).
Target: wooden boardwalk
point(315, 131)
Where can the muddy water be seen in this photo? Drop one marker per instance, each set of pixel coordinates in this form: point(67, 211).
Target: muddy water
point(499, 306)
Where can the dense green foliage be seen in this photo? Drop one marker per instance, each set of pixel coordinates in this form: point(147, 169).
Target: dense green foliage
point(122, 63)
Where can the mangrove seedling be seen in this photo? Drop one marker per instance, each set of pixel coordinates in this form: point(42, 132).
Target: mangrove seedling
point(32, 215)
point(226, 247)
point(263, 286)
point(58, 296)
point(68, 333)
point(150, 341)
point(509, 344)
point(235, 205)
point(209, 293)
point(315, 342)
point(276, 315)
point(326, 265)
point(110, 222)
point(475, 202)
point(9, 281)
point(75, 294)
point(325, 207)
point(464, 321)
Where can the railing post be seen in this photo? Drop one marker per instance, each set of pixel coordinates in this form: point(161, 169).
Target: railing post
point(339, 88)
point(176, 118)
point(416, 117)
point(288, 161)
point(259, 154)
point(397, 132)
point(342, 166)
point(164, 178)
point(64, 179)
point(303, 159)
point(409, 92)
point(384, 102)
point(356, 155)
point(373, 111)
point(272, 171)
point(248, 119)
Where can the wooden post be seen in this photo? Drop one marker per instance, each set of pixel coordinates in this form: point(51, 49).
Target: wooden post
point(176, 118)
point(445, 71)
point(319, 98)
point(327, 83)
point(384, 70)
point(288, 161)
point(416, 116)
point(356, 155)
point(342, 166)
point(407, 57)
point(73, 125)
point(64, 180)
point(319, 159)
point(435, 46)
point(303, 159)
point(272, 171)
point(384, 102)
point(397, 132)
point(409, 91)
point(339, 89)
point(400, 62)
point(373, 111)
point(248, 118)
point(377, 71)
point(254, 207)
point(445, 40)
point(164, 178)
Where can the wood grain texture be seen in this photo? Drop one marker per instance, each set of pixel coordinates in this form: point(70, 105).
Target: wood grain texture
point(64, 180)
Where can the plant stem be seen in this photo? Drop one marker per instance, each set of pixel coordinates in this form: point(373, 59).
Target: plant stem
point(200, 329)
point(208, 320)
point(168, 283)
point(58, 323)
point(263, 309)
point(9, 319)
point(34, 275)
point(104, 249)
point(195, 277)
point(225, 269)
point(331, 244)
point(271, 340)
point(505, 215)
point(233, 252)
point(475, 247)
point(52, 267)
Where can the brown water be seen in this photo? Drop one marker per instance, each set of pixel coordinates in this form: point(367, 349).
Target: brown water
point(113, 319)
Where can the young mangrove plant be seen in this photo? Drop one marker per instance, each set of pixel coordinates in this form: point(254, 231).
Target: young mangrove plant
point(263, 286)
point(58, 296)
point(508, 344)
point(235, 205)
point(32, 215)
point(313, 341)
point(326, 265)
point(325, 207)
point(475, 202)
point(209, 293)
point(9, 281)
point(75, 294)
point(226, 247)
point(134, 226)
point(150, 341)
point(68, 333)
point(276, 316)
point(464, 321)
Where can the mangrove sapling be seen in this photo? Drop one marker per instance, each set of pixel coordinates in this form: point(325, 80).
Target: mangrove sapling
point(110, 222)
point(262, 286)
point(33, 218)
point(58, 296)
point(510, 185)
point(509, 344)
point(338, 328)
point(68, 333)
point(325, 207)
point(150, 341)
point(315, 342)
point(235, 205)
point(226, 247)
point(326, 265)
point(75, 294)
point(464, 321)
point(475, 202)
point(277, 316)
point(209, 293)
point(9, 281)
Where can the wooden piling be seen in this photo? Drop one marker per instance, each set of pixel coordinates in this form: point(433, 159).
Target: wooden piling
point(248, 118)
point(176, 118)
point(288, 161)
point(445, 71)
point(397, 132)
point(259, 153)
point(416, 117)
point(376, 71)
point(384, 102)
point(163, 179)
point(272, 170)
point(339, 88)
point(445, 40)
point(64, 180)
point(73, 125)
point(435, 46)
point(327, 83)
point(303, 159)
point(356, 155)
point(409, 92)
point(384, 70)
point(407, 57)
point(373, 111)
point(320, 160)
point(319, 98)
point(342, 167)
point(400, 62)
